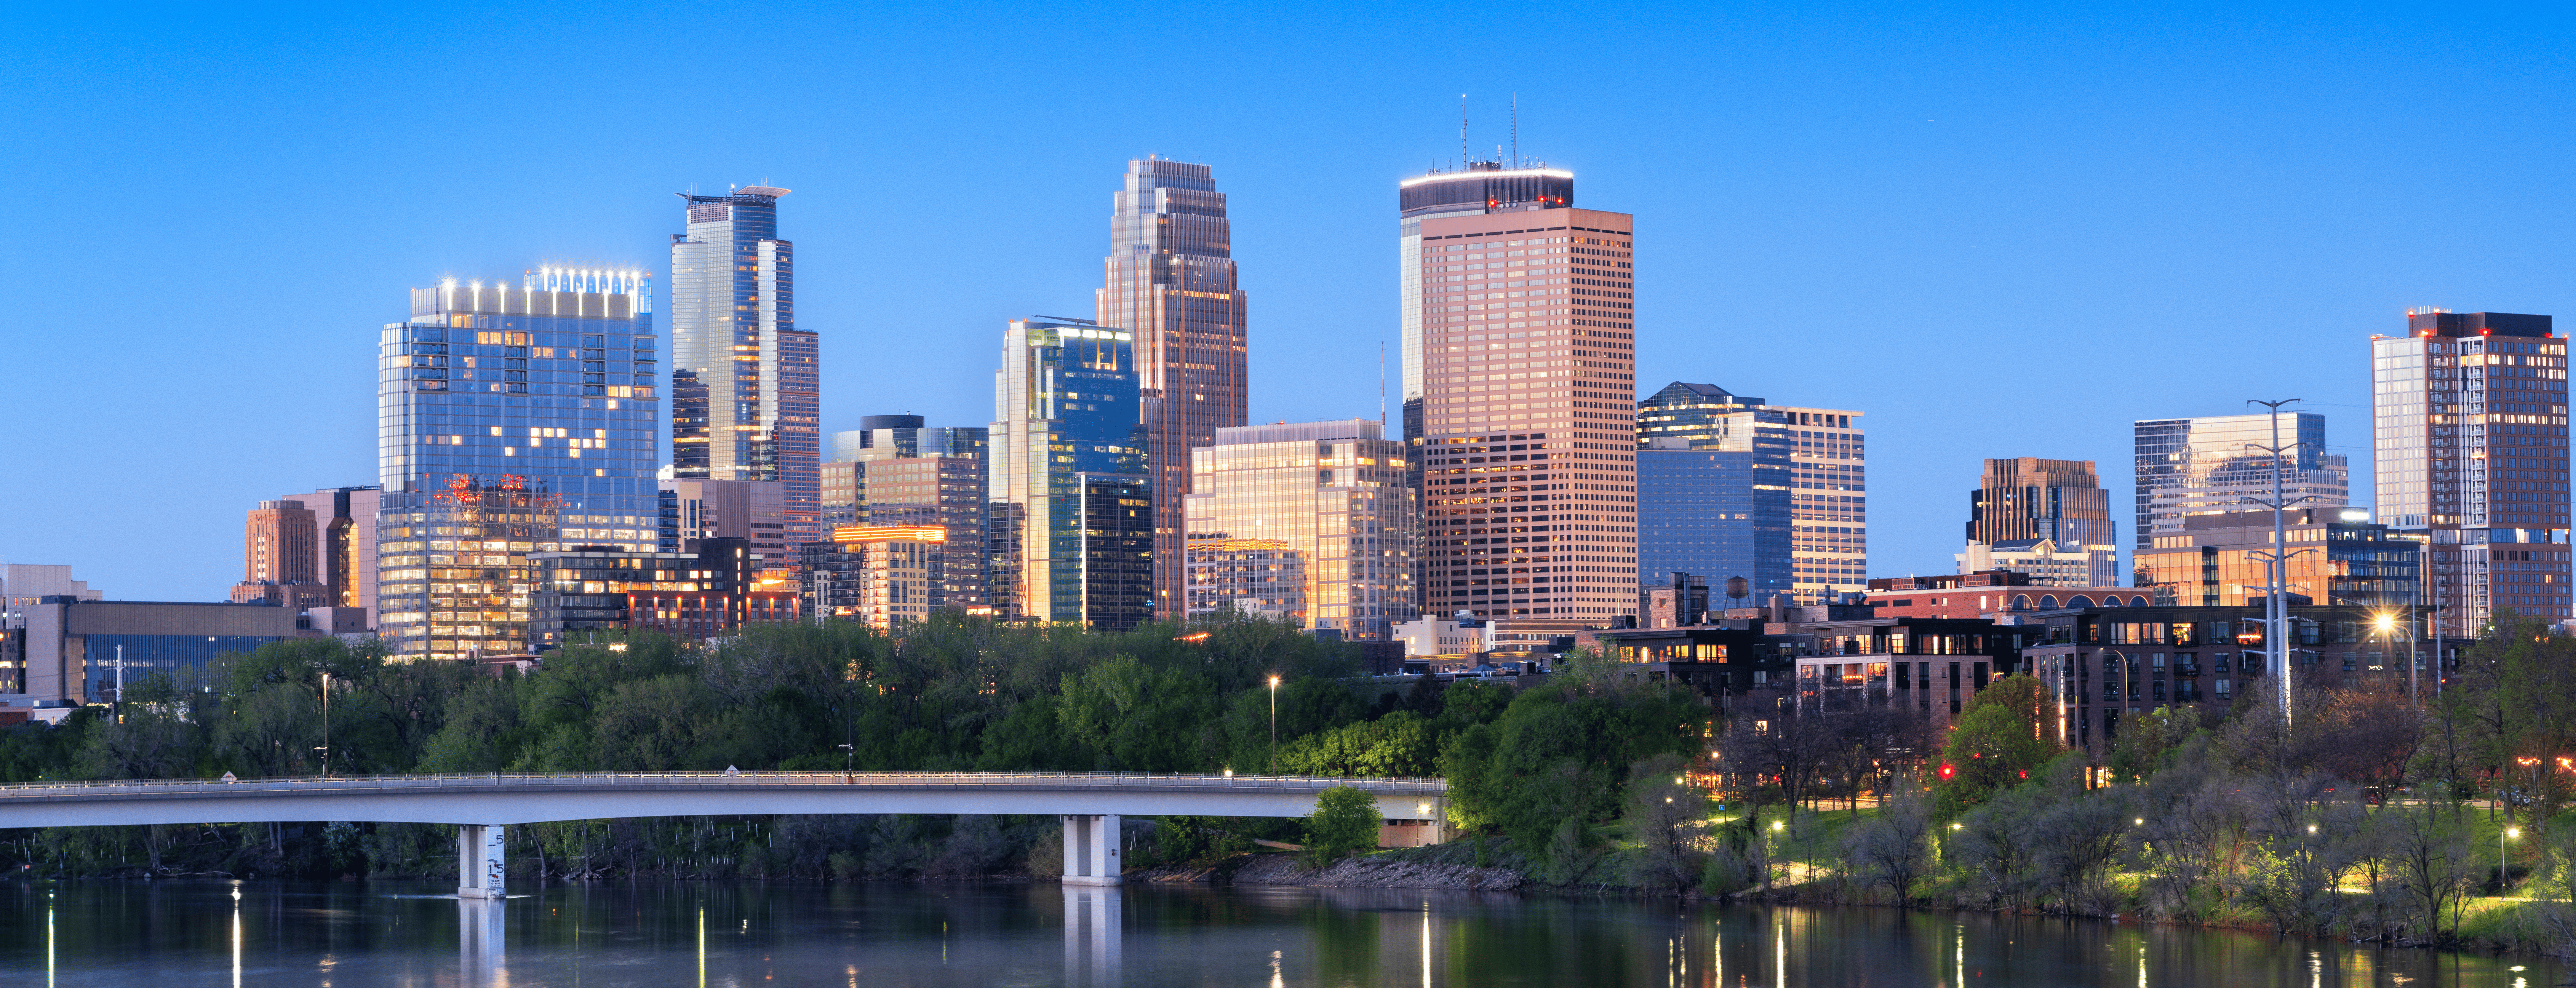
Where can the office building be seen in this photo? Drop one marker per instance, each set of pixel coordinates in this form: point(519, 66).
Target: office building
point(2212, 465)
point(1713, 513)
point(1170, 280)
point(509, 421)
point(2027, 498)
point(893, 463)
point(345, 543)
point(589, 590)
point(2471, 436)
point(1814, 459)
point(751, 510)
point(78, 650)
point(746, 401)
point(278, 558)
point(1519, 389)
point(1308, 522)
point(883, 576)
point(24, 584)
point(2337, 557)
point(1070, 525)
point(2046, 563)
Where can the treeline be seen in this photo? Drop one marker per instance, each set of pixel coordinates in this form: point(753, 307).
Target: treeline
point(954, 693)
point(2365, 814)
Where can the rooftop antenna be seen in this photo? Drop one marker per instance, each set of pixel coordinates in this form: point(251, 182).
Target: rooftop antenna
point(1516, 130)
point(1463, 157)
point(1381, 383)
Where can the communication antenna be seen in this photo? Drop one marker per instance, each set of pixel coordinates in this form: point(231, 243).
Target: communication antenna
point(1381, 383)
point(1462, 131)
point(1516, 130)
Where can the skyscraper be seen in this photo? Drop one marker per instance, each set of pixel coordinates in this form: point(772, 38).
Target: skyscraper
point(278, 558)
point(345, 546)
point(1308, 521)
point(745, 381)
point(2057, 500)
point(1070, 521)
point(1170, 280)
point(1809, 476)
point(2209, 465)
point(2470, 427)
point(1519, 388)
point(509, 421)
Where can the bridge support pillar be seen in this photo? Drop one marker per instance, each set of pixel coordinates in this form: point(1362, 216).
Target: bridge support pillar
point(1091, 850)
point(1092, 934)
point(478, 862)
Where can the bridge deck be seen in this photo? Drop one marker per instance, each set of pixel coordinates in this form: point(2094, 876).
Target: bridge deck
point(526, 798)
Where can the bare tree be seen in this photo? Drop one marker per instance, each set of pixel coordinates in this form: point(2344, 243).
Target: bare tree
point(1893, 850)
point(2428, 850)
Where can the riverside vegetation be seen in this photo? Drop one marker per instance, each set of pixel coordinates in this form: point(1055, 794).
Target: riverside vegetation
point(2367, 816)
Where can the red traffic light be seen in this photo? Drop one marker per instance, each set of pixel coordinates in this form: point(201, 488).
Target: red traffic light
point(1949, 771)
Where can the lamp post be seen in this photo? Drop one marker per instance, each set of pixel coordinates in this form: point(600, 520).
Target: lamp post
point(2504, 869)
point(1274, 725)
point(325, 749)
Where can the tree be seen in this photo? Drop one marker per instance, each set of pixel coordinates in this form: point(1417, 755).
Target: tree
point(1893, 850)
point(1344, 822)
point(1667, 814)
point(1995, 744)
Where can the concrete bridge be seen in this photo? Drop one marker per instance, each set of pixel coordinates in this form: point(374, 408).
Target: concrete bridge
point(1089, 803)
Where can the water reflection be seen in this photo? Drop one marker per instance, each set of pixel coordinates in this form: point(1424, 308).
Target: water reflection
point(1135, 937)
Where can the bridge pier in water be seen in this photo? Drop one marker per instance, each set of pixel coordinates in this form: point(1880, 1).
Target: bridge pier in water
point(481, 940)
point(1091, 850)
point(478, 862)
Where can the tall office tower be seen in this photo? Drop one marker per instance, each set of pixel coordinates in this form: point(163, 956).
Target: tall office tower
point(1169, 279)
point(751, 510)
point(1519, 337)
point(2471, 435)
point(887, 437)
point(894, 463)
point(744, 380)
point(345, 551)
point(1310, 522)
point(2209, 465)
point(1071, 526)
point(2057, 500)
point(1716, 515)
point(509, 421)
point(277, 544)
point(1817, 454)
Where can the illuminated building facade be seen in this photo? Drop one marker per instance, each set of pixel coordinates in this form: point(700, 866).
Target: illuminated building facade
point(2216, 559)
point(1520, 389)
point(279, 557)
point(1814, 458)
point(1309, 521)
point(883, 576)
point(2061, 501)
point(746, 382)
point(1711, 513)
point(751, 510)
point(896, 463)
point(592, 589)
point(1070, 524)
point(2470, 427)
point(510, 421)
point(2209, 465)
point(1170, 280)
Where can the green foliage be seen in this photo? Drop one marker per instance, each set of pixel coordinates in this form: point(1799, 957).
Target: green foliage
point(1996, 743)
point(1559, 753)
point(1345, 822)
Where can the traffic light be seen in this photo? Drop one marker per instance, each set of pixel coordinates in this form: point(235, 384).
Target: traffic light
point(1949, 771)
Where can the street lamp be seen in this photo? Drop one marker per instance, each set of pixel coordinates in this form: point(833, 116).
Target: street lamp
point(1274, 725)
point(2504, 869)
point(325, 749)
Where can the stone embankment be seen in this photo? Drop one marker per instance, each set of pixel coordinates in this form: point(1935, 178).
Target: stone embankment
point(1284, 869)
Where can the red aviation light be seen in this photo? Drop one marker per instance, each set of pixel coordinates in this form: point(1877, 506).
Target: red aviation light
point(1949, 771)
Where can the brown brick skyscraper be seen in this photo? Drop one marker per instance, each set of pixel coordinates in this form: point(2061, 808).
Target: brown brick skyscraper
point(1170, 281)
point(1520, 384)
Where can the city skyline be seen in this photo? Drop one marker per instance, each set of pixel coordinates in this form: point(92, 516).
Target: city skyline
point(1907, 244)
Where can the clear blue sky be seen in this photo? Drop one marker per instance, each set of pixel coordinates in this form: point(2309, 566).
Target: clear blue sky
point(2000, 231)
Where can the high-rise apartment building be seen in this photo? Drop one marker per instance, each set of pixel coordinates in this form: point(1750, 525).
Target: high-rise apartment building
point(2060, 501)
point(1807, 464)
point(1520, 392)
point(894, 464)
point(1311, 522)
point(2470, 427)
point(1071, 526)
point(509, 421)
point(2211, 465)
point(1170, 280)
point(883, 576)
point(746, 399)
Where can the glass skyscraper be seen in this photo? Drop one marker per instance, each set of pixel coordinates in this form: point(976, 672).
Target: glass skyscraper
point(2209, 465)
point(509, 421)
point(1807, 463)
point(1169, 280)
point(2471, 431)
point(1309, 521)
point(1715, 515)
point(745, 382)
point(1070, 521)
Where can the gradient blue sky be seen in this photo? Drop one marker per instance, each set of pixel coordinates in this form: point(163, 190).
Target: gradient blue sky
point(1998, 230)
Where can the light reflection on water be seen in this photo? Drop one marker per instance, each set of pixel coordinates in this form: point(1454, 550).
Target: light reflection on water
point(744, 934)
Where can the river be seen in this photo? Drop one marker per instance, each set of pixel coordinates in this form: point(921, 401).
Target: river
point(174, 933)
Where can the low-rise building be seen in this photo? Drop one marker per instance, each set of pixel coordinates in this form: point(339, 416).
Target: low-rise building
point(1994, 593)
point(80, 650)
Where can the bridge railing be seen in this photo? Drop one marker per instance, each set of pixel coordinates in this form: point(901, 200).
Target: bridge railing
point(717, 780)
